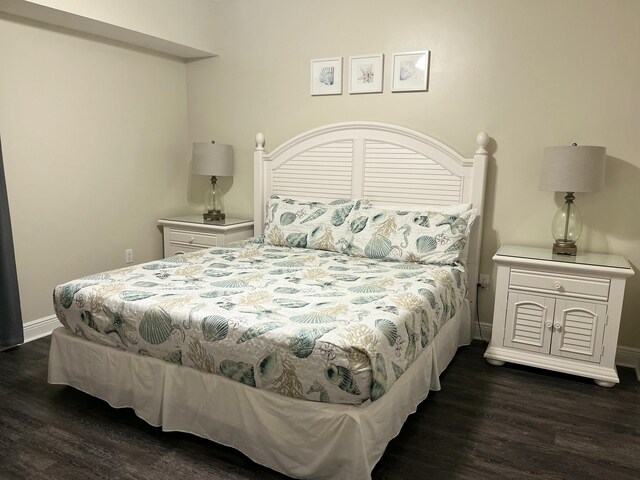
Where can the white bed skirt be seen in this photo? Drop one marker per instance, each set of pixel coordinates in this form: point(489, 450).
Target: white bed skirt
point(314, 440)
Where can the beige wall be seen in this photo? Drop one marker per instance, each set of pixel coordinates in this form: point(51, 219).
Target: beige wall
point(532, 74)
point(96, 149)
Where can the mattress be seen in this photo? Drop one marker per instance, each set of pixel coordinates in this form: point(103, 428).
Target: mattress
point(307, 324)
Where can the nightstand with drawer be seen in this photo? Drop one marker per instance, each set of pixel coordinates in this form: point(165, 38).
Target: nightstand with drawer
point(558, 312)
point(190, 233)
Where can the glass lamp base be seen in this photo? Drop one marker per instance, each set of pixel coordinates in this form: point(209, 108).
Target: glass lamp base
point(565, 248)
point(213, 215)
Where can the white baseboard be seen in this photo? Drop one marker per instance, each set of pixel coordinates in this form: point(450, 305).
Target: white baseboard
point(485, 329)
point(625, 356)
point(39, 328)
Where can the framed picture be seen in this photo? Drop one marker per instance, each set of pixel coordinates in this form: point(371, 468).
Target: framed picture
point(410, 71)
point(365, 73)
point(326, 76)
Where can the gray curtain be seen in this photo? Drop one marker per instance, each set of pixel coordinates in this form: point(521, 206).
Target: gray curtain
point(11, 332)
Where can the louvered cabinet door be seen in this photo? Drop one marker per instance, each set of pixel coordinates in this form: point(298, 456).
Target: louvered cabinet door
point(528, 322)
point(578, 329)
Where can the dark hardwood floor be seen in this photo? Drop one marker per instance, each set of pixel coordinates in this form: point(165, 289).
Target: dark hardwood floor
point(487, 422)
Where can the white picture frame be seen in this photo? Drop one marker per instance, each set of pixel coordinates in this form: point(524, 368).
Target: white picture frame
point(366, 73)
point(410, 71)
point(326, 76)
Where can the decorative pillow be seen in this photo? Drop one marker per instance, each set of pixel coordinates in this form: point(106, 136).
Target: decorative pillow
point(410, 236)
point(309, 224)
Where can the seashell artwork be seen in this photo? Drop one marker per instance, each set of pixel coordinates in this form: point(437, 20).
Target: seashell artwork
point(230, 283)
point(313, 317)
point(457, 245)
point(145, 284)
point(176, 259)
point(97, 276)
point(428, 294)
point(316, 387)
point(378, 247)
point(366, 288)
point(258, 330)
point(157, 266)
point(358, 224)
point(318, 213)
point(214, 328)
point(426, 244)
point(132, 295)
point(217, 293)
point(397, 369)
point(342, 377)
point(290, 303)
point(216, 273)
point(88, 320)
point(364, 299)
point(287, 218)
point(69, 291)
point(388, 329)
point(340, 215)
point(238, 371)
point(422, 220)
point(304, 341)
point(345, 278)
point(378, 385)
point(155, 326)
point(407, 70)
point(287, 290)
point(270, 367)
point(366, 75)
point(326, 76)
point(424, 329)
point(297, 240)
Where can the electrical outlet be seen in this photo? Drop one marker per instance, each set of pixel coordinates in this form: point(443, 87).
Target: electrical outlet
point(484, 280)
point(128, 255)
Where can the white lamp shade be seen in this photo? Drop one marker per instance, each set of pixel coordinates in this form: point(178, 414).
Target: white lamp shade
point(573, 169)
point(212, 159)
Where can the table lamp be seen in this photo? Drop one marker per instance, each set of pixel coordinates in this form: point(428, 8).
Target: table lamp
point(215, 160)
point(571, 169)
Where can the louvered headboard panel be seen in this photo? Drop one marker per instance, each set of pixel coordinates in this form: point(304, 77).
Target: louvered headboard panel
point(394, 175)
point(322, 171)
point(386, 164)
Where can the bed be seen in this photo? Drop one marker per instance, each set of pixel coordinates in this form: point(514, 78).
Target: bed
point(307, 347)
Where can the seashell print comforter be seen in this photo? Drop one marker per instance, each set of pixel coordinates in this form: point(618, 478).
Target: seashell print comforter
point(309, 324)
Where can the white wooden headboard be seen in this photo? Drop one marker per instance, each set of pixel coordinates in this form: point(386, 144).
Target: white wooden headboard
point(386, 164)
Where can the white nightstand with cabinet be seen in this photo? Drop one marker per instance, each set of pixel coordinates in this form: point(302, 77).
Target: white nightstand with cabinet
point(558, 312)
point(190, 233)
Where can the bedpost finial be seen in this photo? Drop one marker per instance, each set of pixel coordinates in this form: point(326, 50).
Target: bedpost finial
point(259, 141)
point(482, 140)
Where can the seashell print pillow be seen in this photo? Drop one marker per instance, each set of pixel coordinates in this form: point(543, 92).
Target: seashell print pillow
point(410, 236)
point(309, 224)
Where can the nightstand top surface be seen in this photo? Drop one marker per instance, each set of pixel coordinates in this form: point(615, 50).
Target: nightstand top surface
point(582, 258)
point(199, 220)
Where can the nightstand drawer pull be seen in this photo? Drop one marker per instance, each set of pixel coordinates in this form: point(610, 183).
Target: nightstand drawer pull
point(191, 240)
point(557, 286)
